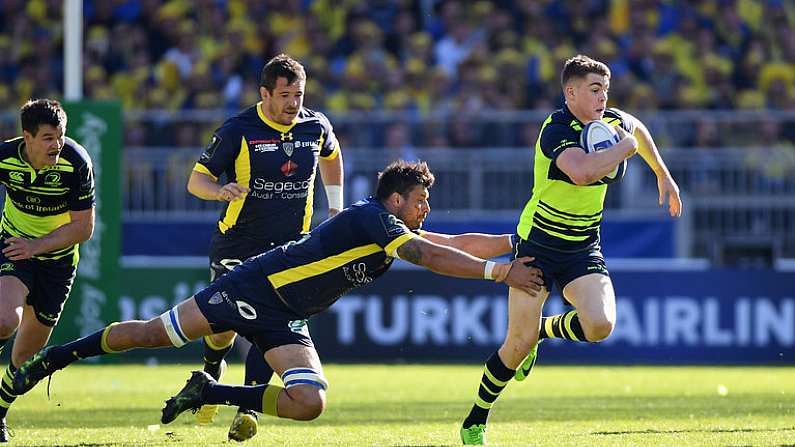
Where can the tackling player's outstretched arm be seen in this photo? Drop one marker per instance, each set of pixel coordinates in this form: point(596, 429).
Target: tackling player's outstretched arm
point(453, 262)
point(476, 244)
point(666, 185)
point(206, 187)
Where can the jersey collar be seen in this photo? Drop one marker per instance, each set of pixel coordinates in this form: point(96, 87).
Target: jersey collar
point(280, 127)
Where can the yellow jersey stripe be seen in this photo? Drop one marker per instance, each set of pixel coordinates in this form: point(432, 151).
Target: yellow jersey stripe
point(391, 248)
point(295, 274)
point(309, 206)
point(243, 171)
point(198, 167)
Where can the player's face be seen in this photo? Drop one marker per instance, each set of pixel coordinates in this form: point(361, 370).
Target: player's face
point(283, 104)
point(45, 147)
point(415, 207)
point(587, 97)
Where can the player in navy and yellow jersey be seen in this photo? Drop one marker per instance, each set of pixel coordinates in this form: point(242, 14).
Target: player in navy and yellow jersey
point(263, 297)
point(48, 211)
point(269, 154)
point(559, 227)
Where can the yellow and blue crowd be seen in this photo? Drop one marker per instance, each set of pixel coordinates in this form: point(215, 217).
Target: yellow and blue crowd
point(448, 58)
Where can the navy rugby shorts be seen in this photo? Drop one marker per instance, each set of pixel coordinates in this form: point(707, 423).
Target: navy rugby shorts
point(243, 301)
point(561, 268)
point(48, 282)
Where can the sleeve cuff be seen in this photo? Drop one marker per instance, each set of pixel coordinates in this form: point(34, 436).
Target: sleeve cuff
point(391, 248)
point(198, 167)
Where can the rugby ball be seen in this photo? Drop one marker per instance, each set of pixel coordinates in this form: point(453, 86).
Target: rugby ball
point(598, 135)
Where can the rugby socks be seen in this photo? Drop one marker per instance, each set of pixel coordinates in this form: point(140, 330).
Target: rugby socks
point(566, 326)
point(89, 346)
point(495, 377)
point(213, 355)
point(7, 396)
point(261, 398)
point(258, 372)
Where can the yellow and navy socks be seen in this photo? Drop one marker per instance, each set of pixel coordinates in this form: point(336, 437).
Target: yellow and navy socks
point(566, 326)
point(7, 396)
point(213, 355)
point(495, 377)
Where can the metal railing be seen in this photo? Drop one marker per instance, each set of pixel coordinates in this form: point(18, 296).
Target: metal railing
point(732, 199)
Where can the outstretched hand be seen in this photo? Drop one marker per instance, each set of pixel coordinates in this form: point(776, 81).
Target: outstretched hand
point(668, 189)
point(519, 276)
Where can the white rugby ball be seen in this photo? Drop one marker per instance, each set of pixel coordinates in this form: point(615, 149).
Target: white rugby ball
point(598, 135)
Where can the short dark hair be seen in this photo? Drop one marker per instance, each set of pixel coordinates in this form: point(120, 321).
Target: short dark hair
point(401, 177)
point(36, 112)
point(580, 66)
point(281, 66)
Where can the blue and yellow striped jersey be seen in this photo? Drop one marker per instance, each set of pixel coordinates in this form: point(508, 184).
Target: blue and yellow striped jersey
point(278, 163)
point(38, 202)
point(347, 251)
point(561, 215)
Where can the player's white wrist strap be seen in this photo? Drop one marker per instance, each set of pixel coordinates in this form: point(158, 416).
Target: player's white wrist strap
point(334, 196)
point(488, 271)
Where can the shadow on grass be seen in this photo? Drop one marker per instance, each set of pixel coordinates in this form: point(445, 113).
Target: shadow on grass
point(695, 430)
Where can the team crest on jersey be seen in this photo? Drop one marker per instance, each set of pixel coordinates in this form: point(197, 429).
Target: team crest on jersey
point(52, 179)
point(288, 148)
point(217, 298)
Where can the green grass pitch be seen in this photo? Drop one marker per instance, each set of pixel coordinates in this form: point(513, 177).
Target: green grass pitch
point(423, 405)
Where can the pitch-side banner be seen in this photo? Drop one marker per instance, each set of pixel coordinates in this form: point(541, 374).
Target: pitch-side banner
point(704, 317)
point(91, 305)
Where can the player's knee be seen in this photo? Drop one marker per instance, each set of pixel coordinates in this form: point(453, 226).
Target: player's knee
point(598, 330)
point(311, 401)
point(8, 324)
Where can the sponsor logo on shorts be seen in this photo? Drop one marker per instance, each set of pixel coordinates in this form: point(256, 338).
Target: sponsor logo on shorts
point(217, 298)
point(246, 310)
point(7, 267)
point(298, 326)
point(49, 317)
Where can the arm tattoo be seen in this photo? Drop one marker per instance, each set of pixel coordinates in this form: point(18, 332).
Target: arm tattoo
point(411, 251)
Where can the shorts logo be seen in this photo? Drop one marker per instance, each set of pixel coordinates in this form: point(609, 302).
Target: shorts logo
point(6, 267)
point(217, 298)
point(52, 179)
point(297, 326)
point(17, 176)
point(245, 310)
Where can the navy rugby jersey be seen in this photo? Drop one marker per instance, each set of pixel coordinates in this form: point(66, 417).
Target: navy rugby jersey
point(277, 163)
point(38, 202)
point(561, 215)
point(347, 251)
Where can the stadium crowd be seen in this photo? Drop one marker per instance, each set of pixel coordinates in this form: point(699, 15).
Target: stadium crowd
point(443, 59)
